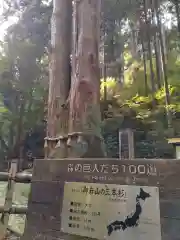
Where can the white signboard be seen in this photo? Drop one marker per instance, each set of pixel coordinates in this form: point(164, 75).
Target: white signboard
point(109, 211)
point(178, 152)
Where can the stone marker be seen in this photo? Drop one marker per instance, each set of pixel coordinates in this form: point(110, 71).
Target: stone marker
point(104, 199)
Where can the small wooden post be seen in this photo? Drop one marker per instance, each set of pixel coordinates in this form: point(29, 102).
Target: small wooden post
point(8, 199)
point(131, 143)
point(176, 144)
point(120, 145)
point(129, 154)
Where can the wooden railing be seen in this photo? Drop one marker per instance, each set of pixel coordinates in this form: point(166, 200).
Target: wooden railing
point(12, 177)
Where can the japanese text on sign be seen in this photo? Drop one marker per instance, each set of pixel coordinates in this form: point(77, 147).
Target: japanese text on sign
point(103, 191)
point(142, 169)
point(111, 211)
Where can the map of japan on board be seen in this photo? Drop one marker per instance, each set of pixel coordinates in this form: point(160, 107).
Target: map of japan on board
point(109, 211)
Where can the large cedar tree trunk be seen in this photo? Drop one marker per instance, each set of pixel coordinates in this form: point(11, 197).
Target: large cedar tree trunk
point(84, 120)
point(61, 31)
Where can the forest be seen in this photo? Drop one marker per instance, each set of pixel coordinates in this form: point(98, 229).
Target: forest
point(140, 68)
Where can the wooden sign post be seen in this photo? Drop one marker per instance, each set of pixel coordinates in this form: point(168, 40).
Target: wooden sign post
point(104, 199)
point(126, 144)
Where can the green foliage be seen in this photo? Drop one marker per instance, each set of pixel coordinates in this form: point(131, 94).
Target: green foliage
point(129, 102)
point(23, 76)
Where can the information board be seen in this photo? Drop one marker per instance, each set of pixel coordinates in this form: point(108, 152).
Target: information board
point(121, 198)
point(110, 211)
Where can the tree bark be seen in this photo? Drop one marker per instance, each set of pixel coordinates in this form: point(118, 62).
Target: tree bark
point(149, 47)
point(167, 94)
point(158, 73)
point(176, 2)
point(57, 122)
point(20, 132)
point(134, 42)
point(85, 118)
point(155, 41)
point(105, 80)
point(143, 54)
point(145, 67)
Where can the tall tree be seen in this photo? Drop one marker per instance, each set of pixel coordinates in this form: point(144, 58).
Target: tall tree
point(85, 121)
point(164, 62)
point(142, 33)
point(176, 3)
point(57, 122)
point(148, 31)
point(156, 45)
point(144, 63)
